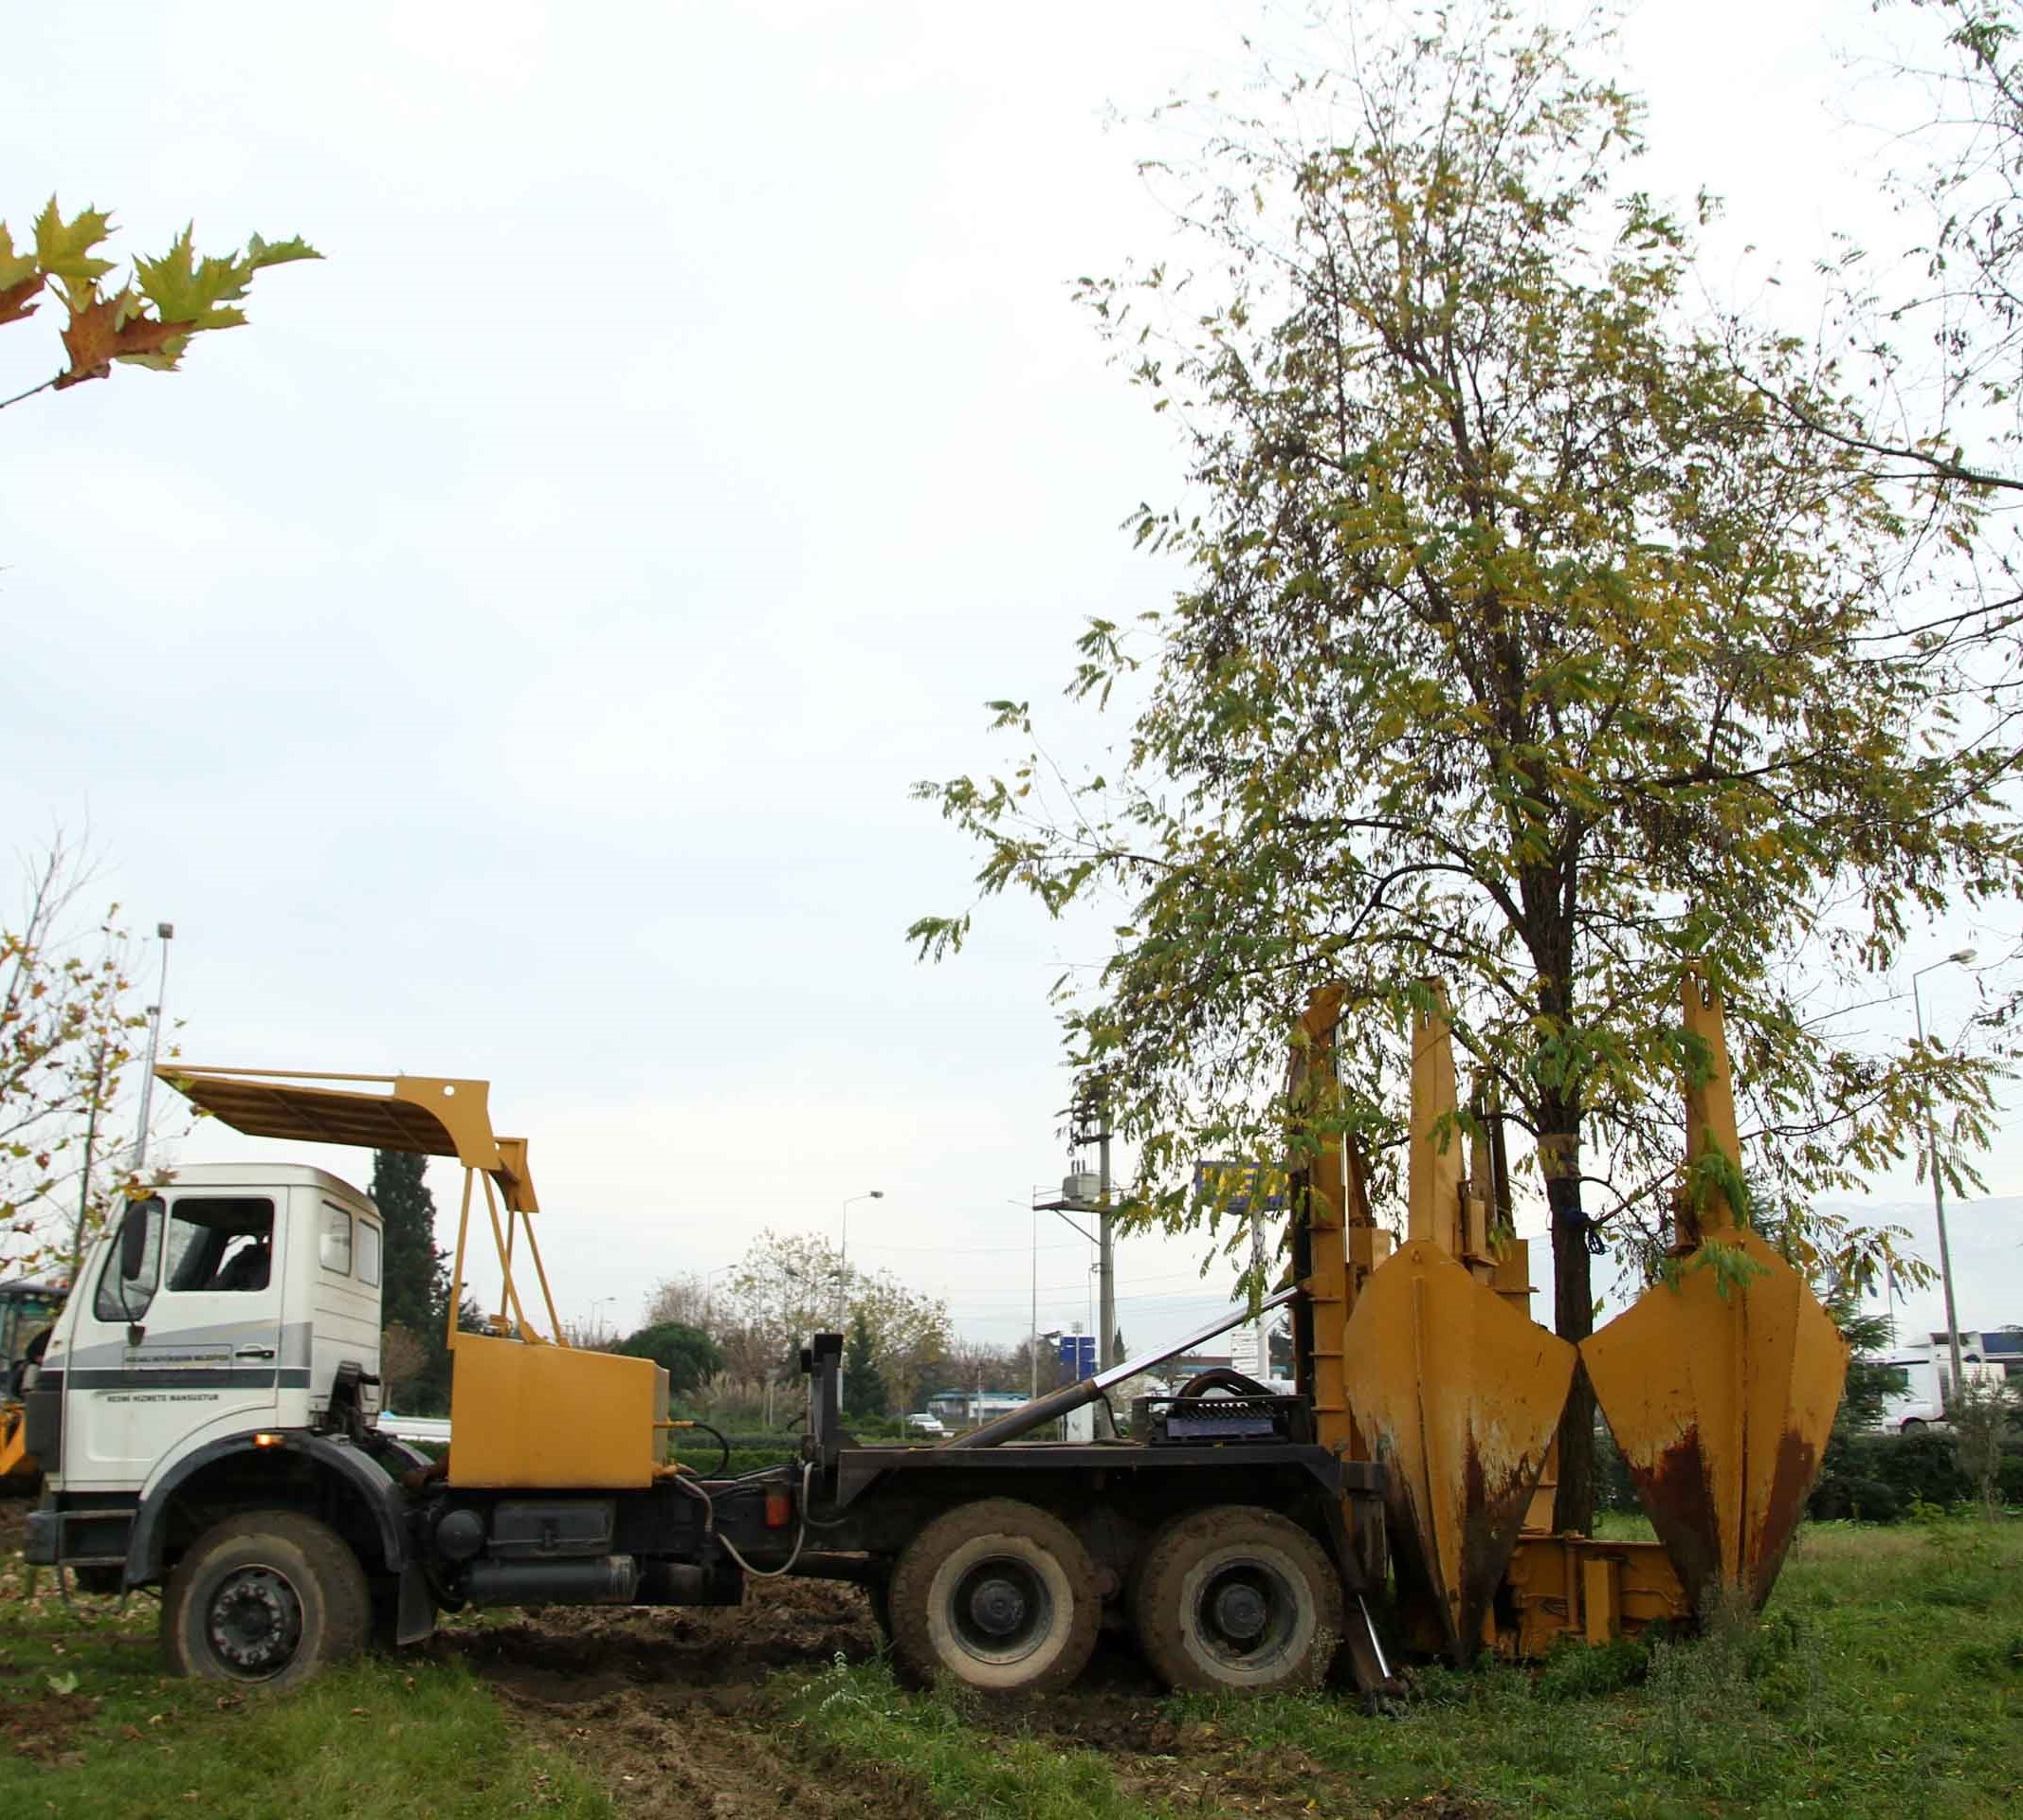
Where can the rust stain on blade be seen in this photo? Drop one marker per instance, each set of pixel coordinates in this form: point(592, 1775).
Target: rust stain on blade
point(1460, 1396)
point(1721, 1405)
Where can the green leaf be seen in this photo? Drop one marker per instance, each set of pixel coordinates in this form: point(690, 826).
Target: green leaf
point(63, 247)
point(201, 292)
point(282, 252)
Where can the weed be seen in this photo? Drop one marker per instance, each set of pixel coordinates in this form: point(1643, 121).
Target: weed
point(1574, 1671)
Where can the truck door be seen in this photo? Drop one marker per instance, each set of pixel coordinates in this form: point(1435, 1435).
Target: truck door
point(193, 1343)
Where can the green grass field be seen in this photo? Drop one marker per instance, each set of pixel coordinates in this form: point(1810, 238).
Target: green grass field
point(1886, 1680)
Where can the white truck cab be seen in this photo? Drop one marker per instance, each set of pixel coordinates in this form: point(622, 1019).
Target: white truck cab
point(221, 1347)
point(256, 1296)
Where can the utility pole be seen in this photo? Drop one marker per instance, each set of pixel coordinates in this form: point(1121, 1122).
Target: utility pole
point(1964, 957)
point(1092, 1126)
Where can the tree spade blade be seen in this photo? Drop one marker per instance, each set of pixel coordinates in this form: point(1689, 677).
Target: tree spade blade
point(1721, 1391)
point(1459, 1395)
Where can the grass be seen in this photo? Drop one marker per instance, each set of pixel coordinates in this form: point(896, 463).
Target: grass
point(1886, 1680)
point(861, 1711)
point(90, 1729)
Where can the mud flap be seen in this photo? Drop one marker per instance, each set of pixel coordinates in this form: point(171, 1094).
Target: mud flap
point(414, 1617)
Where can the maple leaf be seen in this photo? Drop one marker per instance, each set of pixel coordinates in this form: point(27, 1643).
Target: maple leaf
point(19, 279)
point(63, 247)
point(104, 329)
point(199, 292)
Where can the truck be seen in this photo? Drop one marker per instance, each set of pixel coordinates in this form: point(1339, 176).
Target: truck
point(207, 1410)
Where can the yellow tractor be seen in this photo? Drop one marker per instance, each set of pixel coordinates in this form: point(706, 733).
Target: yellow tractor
point(28, 1310)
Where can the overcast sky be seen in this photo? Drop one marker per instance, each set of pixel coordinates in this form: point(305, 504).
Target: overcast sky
point(509, 655)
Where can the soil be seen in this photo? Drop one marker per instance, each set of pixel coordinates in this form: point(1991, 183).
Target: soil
point(43, 1725)
point(668, 1707)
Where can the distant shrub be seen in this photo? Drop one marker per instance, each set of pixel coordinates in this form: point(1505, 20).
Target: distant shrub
point(1877, 1478)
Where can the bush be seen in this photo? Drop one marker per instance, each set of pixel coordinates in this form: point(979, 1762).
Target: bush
point(687, 1354)
point(1876, 1478)
point(1861, 1501)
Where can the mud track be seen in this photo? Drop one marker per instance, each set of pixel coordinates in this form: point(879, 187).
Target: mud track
point(668, 1707)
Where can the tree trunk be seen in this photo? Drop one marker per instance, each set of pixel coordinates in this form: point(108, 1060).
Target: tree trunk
point(1573, 1319)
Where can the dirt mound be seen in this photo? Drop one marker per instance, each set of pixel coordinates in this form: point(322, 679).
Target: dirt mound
point(576, 1654)
point(668, 1706)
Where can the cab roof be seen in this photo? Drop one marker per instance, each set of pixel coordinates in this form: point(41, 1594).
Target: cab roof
point(266, 1176)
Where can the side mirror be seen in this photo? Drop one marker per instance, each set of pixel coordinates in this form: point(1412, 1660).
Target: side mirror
point(140, 1233)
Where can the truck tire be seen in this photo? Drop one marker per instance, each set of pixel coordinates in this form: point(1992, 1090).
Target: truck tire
point(268, 1598)
point(996, 1595)
point(1237, 1599)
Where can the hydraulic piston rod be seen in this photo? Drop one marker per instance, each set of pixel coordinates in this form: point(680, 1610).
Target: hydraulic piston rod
point(1055, 1404)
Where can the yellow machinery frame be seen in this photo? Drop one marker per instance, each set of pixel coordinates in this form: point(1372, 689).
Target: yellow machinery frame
point(526, 1408)
point(1720, 1384)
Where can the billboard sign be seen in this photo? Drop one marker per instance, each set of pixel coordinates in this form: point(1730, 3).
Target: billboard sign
point(1241, 1189)
point(1078, 1354)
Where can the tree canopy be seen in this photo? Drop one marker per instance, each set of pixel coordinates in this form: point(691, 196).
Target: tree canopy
point(687, 1354)
point(69, 1026)
point(414, 1279)
point(1532, 641)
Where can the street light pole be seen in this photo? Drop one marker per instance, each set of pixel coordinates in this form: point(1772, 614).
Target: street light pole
point(165, 931)
point(843, 1259)
point(1961, 958)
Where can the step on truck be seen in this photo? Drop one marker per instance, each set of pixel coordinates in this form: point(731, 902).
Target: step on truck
point(207, 1414)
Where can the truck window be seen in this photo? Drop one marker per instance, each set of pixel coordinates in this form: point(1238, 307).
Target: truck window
point(368, 1253)
point(220, 1244)
point(109, 1303)
point(335, 1247)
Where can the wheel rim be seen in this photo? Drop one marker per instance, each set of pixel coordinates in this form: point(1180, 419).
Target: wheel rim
point(1245, 1611)
point(1000, 1610)
point(254, 1622)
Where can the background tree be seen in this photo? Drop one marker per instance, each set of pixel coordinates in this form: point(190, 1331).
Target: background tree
point(790, 1286)
point(68, 1028)
point(1527, 644)
point(404, 1364)
point(687, 1354)
point(865, 1396)
point(414, 1280)
point(148, 321)
point(685, 1299)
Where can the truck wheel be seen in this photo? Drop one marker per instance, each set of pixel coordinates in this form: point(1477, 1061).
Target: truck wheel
point(997, 1594)
point(1236, 1598)
point(268, 1598)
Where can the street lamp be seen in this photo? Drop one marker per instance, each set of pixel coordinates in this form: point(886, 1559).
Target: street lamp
point(164, 932)
point(1963, 958)
point(843, 1256)
point(596, 1330)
